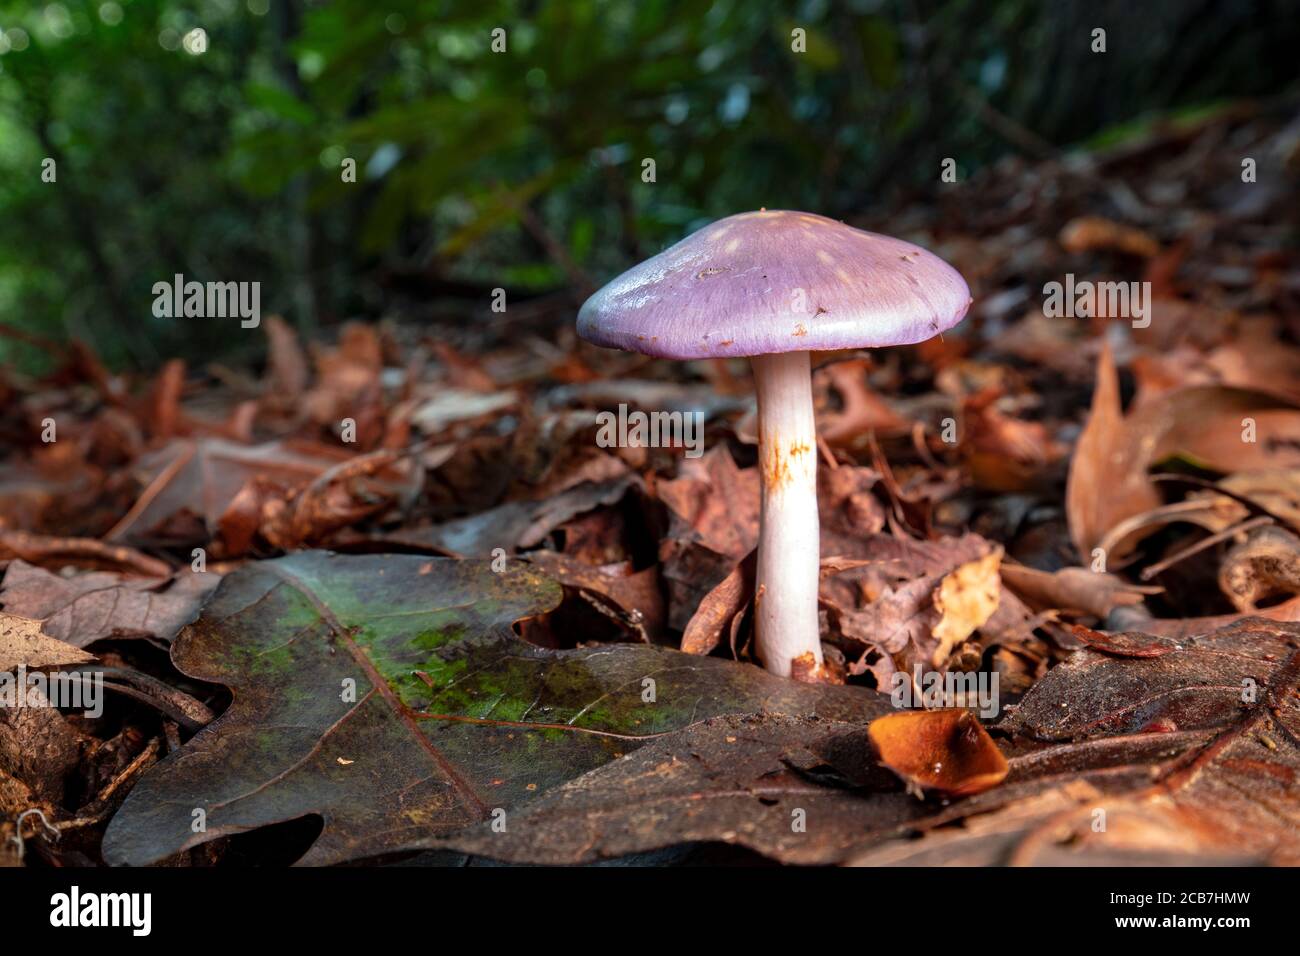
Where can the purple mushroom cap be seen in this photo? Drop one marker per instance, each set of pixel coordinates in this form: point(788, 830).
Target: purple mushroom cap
point(776, 281)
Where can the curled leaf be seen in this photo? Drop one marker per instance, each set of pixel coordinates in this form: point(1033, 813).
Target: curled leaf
point(947, 751)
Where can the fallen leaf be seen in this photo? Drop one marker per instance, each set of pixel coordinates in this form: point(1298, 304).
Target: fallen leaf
point(1210, 790)
point(713, 523)
point(287, 373)
point(1124, 644)
point(966, 599)
point(1096, 593)
point(452, 711)
point(631, 597)
point(88, 607)
point(1087, 233)
point(1266, 564)
point(946, 751)
point(1179, 628)
point(451, 406)
point(515, 524)
point(24, 644)
point(190, 484)
point(1108, 480)
point(712, 620)
point(1219, 428)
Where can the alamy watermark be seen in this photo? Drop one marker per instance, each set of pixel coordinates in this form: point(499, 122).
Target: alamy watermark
point(1084, 299)
point(81, 690)
point(209, 300)
point(638, 429)
point(133, 911)
point(933, 689)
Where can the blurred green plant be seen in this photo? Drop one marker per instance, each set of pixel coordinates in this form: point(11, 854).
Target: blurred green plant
point(523, 168)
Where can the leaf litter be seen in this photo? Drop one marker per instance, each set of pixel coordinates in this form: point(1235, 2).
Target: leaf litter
point(1103, 517)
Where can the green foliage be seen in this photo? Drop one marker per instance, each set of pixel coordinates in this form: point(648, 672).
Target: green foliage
point(476, 165)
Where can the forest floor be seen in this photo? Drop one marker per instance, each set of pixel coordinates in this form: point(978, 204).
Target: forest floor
point(385, 591)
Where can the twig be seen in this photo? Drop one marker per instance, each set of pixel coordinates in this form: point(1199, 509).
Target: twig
point(1249, 525)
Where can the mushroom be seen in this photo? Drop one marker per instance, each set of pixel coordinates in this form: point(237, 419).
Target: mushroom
point(774, 286)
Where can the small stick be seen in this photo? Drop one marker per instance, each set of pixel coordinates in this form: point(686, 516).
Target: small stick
point(1149, 573)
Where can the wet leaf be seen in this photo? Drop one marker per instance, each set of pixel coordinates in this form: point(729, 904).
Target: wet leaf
point(1163, 752)
point(454, 715)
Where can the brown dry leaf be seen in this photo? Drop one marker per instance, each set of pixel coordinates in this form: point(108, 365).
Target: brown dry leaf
point(1087, 233)
point(163, 413)
point(30, 499)
point(1047, 343)
point(1225, 429)
point(1220, 428)
point(445, 407)
point(38, 745)
point(515, 524)
point(1108, 480)
point(899, 621)
point(1266, 564)
point(15, 799)
point(1259, 357)
point(632, 598)
point(845, 502)
point(348, 383)
point(287, 372)
point(24, 644)
point(88, 607)
point(1096, 593)
point(1124, 644)
point(965, 599)
point(712, 620)
point(946, 751)
point(715, 503)
point(345, 494)
point(888, 603)
point(1276, 491)
point(1287, 612)
point(713, 523)
point(190, 484)
point(861, 410)
point(198, 488)
point(1004, 453)
point(1212, 512)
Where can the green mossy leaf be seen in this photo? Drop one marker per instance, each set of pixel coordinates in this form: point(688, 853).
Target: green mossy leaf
point(454, 715)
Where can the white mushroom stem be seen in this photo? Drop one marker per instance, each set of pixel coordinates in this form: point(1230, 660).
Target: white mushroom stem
point(788, 541)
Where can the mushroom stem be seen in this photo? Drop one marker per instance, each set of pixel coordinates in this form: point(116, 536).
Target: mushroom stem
point(789, 558)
